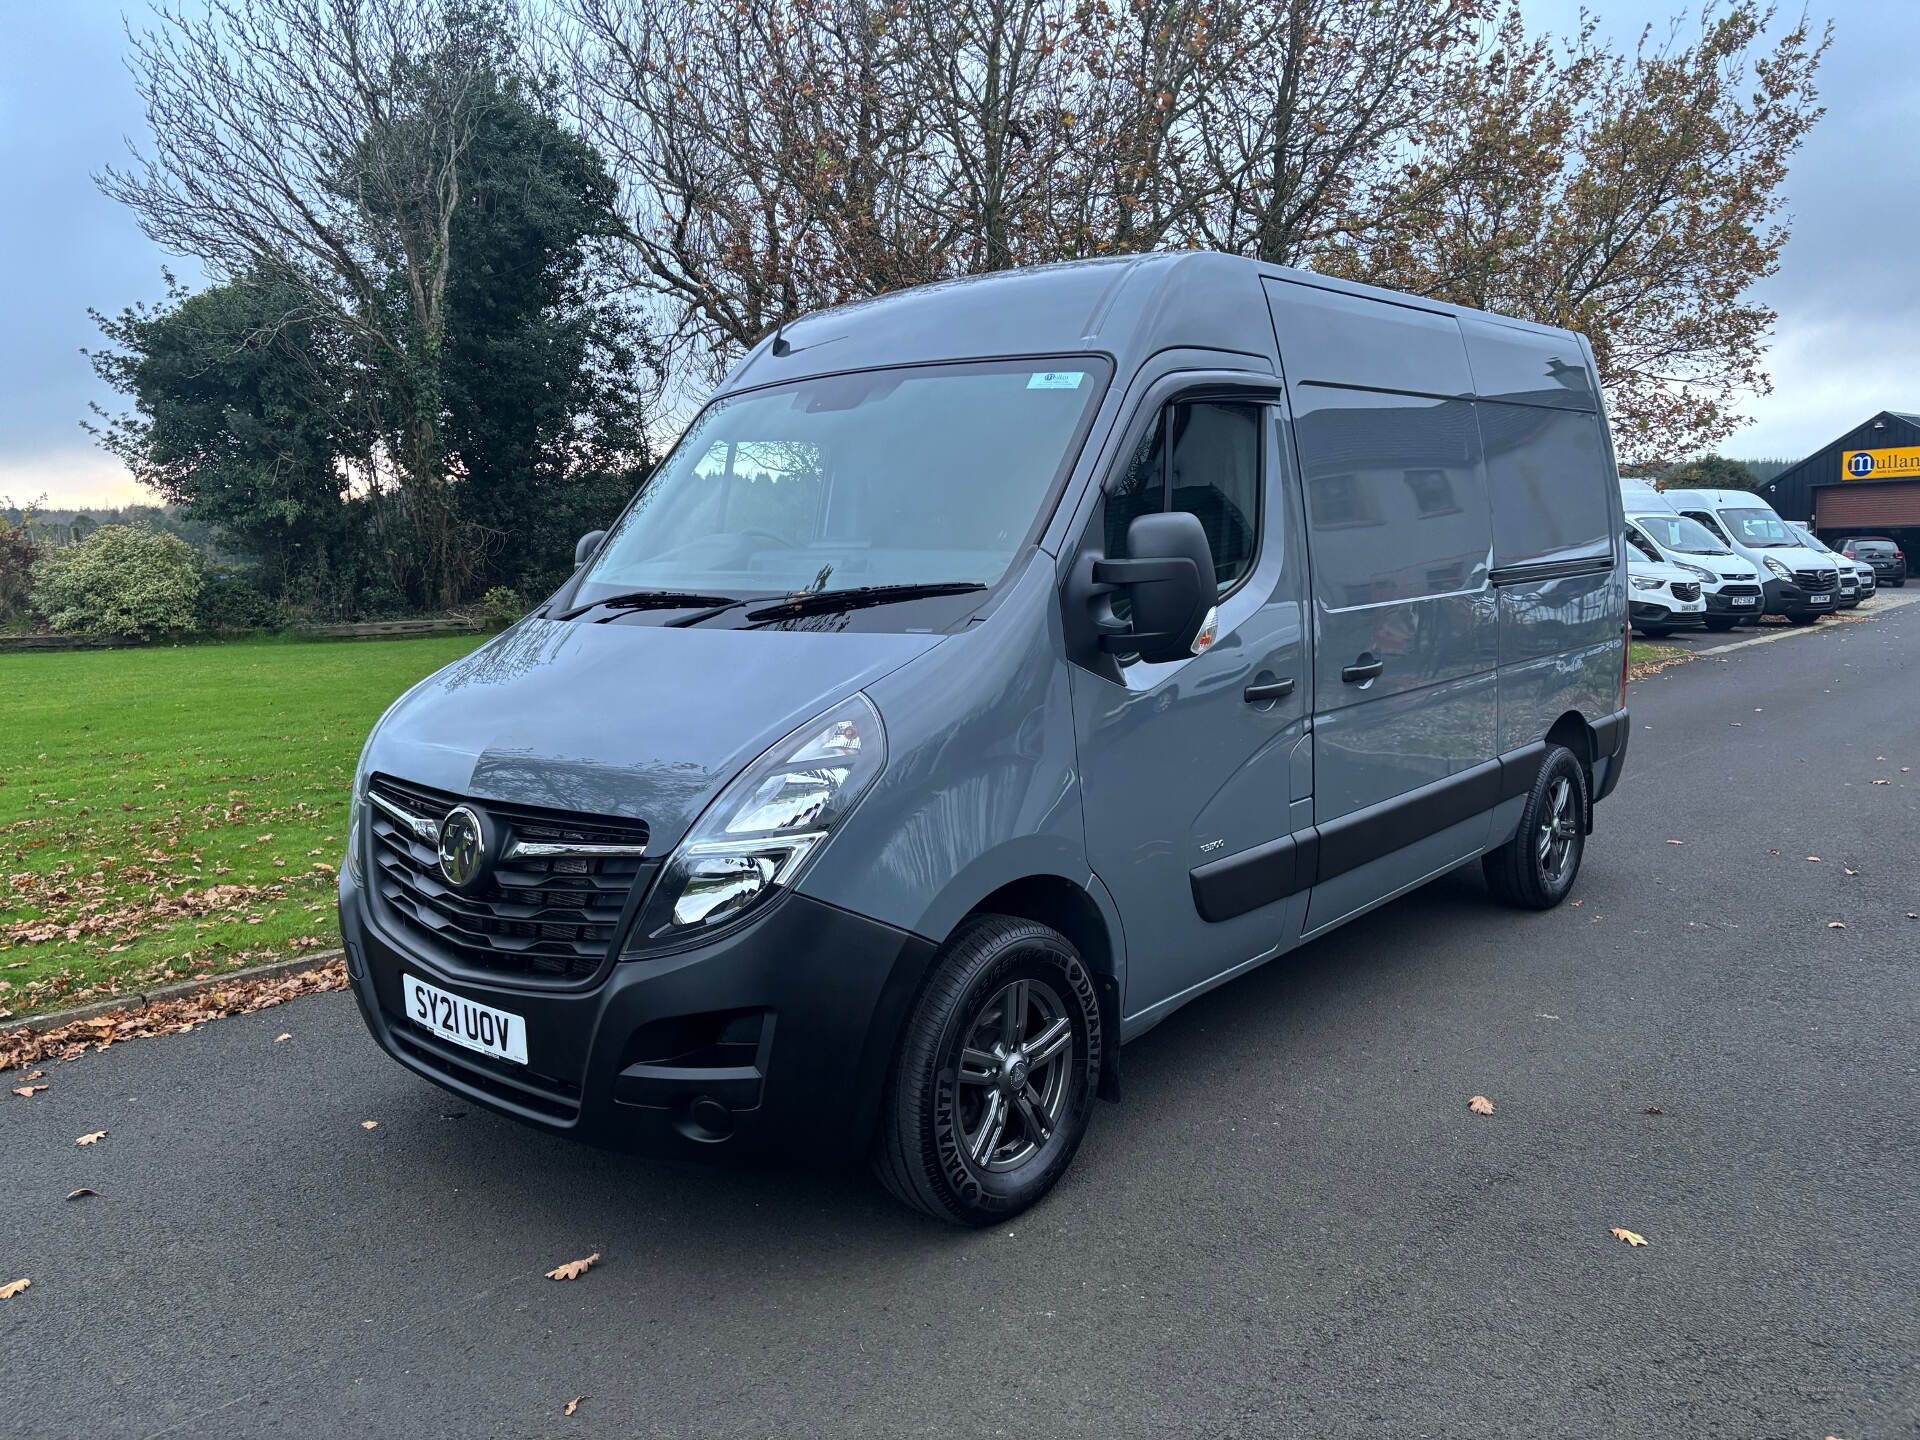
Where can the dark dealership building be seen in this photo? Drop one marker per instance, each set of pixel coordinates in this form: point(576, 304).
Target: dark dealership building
point(1865, 483)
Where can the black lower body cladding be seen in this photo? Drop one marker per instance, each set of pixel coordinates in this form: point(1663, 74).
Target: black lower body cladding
point(771, 1041)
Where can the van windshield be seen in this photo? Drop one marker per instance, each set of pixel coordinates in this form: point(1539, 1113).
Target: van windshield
point(1677, 532)
point(930, 475)
point(1761, 529)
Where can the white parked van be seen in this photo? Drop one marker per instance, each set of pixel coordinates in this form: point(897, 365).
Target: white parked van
point(1800, 584)
point(1729, 585)
point(1661, 598)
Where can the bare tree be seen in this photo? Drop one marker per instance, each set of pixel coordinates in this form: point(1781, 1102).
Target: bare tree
point(323, 140)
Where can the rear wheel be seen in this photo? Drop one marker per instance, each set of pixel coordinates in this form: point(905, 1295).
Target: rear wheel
point(1536, 868)
point(994, 1082)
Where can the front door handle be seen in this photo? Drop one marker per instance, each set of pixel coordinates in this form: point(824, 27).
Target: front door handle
point(1269, 690)
point(1363, 669)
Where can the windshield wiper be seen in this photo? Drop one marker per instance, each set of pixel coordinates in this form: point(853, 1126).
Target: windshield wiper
point(649, 600)
point(830, 602)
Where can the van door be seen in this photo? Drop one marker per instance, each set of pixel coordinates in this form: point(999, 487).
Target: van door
point(1405, 622)
point(1190, 768)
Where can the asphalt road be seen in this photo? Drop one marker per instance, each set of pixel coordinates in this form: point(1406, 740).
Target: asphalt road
point(1291, 1226)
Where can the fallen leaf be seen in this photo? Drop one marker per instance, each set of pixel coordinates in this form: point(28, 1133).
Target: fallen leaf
point(1480, 1105)
point(1676, 842)
point(91, 1139)
point(1577, 903)
point(28, 1090)
point(573, 1269)
point(369, 1124)
point(1814, 858)
point(83, 1190)
point(1628, 1236)
point(574, 1404)
point(278, 1038)
point(1773, 852)
point(1846, 871)
point(7, 1292)
point(1736, 724)
point(1836, 925)
point(1653, 1110)
point(1883, 782)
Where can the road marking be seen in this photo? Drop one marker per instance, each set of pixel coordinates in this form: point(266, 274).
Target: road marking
point(1792, 630)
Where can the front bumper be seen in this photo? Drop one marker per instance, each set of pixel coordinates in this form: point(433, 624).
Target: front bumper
point(1721, 604)
point(773, 1040)
point(1786, 598)
point(1667, 612)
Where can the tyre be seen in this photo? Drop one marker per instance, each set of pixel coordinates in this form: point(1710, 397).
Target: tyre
point(1652, 632)
point(1900, 584)
point(1536, 868)
point(1802, 619)
point(994, 1081)
point(1722, 622)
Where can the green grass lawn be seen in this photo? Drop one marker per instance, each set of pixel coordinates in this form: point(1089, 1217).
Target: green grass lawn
point(176, 812)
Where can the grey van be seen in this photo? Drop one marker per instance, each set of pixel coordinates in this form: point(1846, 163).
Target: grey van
point(991, 669)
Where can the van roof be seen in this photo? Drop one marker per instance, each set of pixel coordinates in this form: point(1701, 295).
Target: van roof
point(1733, 499)
point(1128, 307)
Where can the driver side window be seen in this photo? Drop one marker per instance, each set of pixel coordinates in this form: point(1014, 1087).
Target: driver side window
point(1201, 456)
point(1712, 524)
point(1641, 543)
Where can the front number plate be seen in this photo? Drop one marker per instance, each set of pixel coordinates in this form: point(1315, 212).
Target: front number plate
point(1818, 599)
point(1746, 599)
point(499, 1033)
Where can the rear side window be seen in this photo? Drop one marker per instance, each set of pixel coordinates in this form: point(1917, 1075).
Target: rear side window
point(1548, 473)
point(1396, 502)
point(1201, 456)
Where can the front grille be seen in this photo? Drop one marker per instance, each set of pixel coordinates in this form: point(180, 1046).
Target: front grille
point(1739, 589)
point(1816, 579)
point(1686, 589)
point(535, 917)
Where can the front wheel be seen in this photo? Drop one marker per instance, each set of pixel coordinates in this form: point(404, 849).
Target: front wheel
point(1802, 619)
point(1536, 868)
point(994, 1082)
point(1722, 622)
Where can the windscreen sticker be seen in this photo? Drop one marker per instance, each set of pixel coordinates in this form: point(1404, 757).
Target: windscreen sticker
point(1056, 380)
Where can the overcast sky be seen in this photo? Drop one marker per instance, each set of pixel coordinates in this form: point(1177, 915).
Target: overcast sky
point(1848, 291)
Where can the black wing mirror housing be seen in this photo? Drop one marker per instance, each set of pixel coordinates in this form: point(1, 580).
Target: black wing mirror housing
point(587, 547)
point(1168, 575)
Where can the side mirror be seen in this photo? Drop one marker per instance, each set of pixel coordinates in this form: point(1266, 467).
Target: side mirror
point(587, 547)
point(1168, 575)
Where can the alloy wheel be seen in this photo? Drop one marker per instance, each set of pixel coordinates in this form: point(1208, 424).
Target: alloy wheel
point(1557, 830)
point(1015, 1075)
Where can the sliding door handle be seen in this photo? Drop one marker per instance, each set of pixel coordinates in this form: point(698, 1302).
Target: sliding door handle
point(1363, 669)
point(1267, 690)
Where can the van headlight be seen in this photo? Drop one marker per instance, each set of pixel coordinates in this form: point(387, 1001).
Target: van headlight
point(354, 807)
point(1774, 565)
point(761, 830)
point(1645, 582)
point(1707, 576)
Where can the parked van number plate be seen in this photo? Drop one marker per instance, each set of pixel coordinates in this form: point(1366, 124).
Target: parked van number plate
point(499, 1033)
point(1746, 599)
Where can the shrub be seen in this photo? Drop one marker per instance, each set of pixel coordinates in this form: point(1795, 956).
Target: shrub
point(227, 602)
point(18, 555)
point(121, 580)
point(501, 606)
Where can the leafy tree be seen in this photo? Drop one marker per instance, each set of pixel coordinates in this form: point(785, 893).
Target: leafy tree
point(1710, 472)
point(243, 413)
point(547, 377)
point(121, 580)
point(19, 552)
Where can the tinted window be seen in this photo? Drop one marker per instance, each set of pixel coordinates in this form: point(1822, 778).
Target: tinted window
point(1550, 480)
point(1202, 457)
point(1704, 518)
point(1640, 543)
point(1871, 547)
point(1395, 498)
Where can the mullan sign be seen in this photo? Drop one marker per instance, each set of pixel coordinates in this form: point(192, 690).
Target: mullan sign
point(1903, 463)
